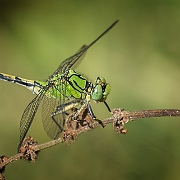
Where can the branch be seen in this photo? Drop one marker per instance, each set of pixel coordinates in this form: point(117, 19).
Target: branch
point(74, 128)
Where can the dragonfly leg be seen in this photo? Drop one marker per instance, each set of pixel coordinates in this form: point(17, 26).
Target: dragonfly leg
point(107, 106)
point(93, 116)
point(90, 111)
point(59, 127)
point(62, 109)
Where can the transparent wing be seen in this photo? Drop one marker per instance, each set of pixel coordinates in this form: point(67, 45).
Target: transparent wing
point(28, 116)
point(52, 126)
point(68, 63)
point(50, 105)
point(55, 110)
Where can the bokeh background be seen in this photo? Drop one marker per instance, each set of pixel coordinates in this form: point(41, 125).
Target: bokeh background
point(140, 57)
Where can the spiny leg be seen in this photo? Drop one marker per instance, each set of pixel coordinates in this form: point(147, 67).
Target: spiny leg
point(88, 106)
point(93, 116)
point(57, 124)
point(62, 109)
point(107, 106)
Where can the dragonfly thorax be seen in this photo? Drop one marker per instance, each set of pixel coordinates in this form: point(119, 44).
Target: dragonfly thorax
point(77, 86)
point(101, 90)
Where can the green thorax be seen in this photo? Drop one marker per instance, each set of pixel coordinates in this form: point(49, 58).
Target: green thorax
point(69, 85)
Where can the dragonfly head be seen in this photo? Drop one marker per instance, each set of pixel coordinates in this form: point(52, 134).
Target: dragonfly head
point(101, 90)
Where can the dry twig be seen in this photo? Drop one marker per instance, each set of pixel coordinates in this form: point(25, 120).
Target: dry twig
point(83, 123)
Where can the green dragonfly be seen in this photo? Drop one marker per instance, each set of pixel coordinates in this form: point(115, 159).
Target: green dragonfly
point(63, 90)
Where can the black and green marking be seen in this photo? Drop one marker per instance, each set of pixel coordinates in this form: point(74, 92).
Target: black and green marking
point(63, 90)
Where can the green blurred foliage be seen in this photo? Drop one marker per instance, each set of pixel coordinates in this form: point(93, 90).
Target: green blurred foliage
point(139, 57)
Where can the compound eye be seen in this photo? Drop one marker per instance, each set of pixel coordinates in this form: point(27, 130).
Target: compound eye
point(106, 91)
point(97, 93)
point(100, 80)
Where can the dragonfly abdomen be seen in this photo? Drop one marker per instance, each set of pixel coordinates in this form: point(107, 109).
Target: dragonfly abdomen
point(29, 84)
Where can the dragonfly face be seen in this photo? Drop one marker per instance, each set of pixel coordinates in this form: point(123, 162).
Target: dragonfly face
point(101, 90)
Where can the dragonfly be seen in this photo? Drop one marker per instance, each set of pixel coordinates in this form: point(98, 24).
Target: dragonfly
point(64, 90)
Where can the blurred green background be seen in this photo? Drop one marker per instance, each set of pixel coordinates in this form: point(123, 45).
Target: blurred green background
point(140, 57)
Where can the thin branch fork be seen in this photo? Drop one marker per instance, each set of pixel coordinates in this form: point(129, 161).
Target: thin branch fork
point(84, 122)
